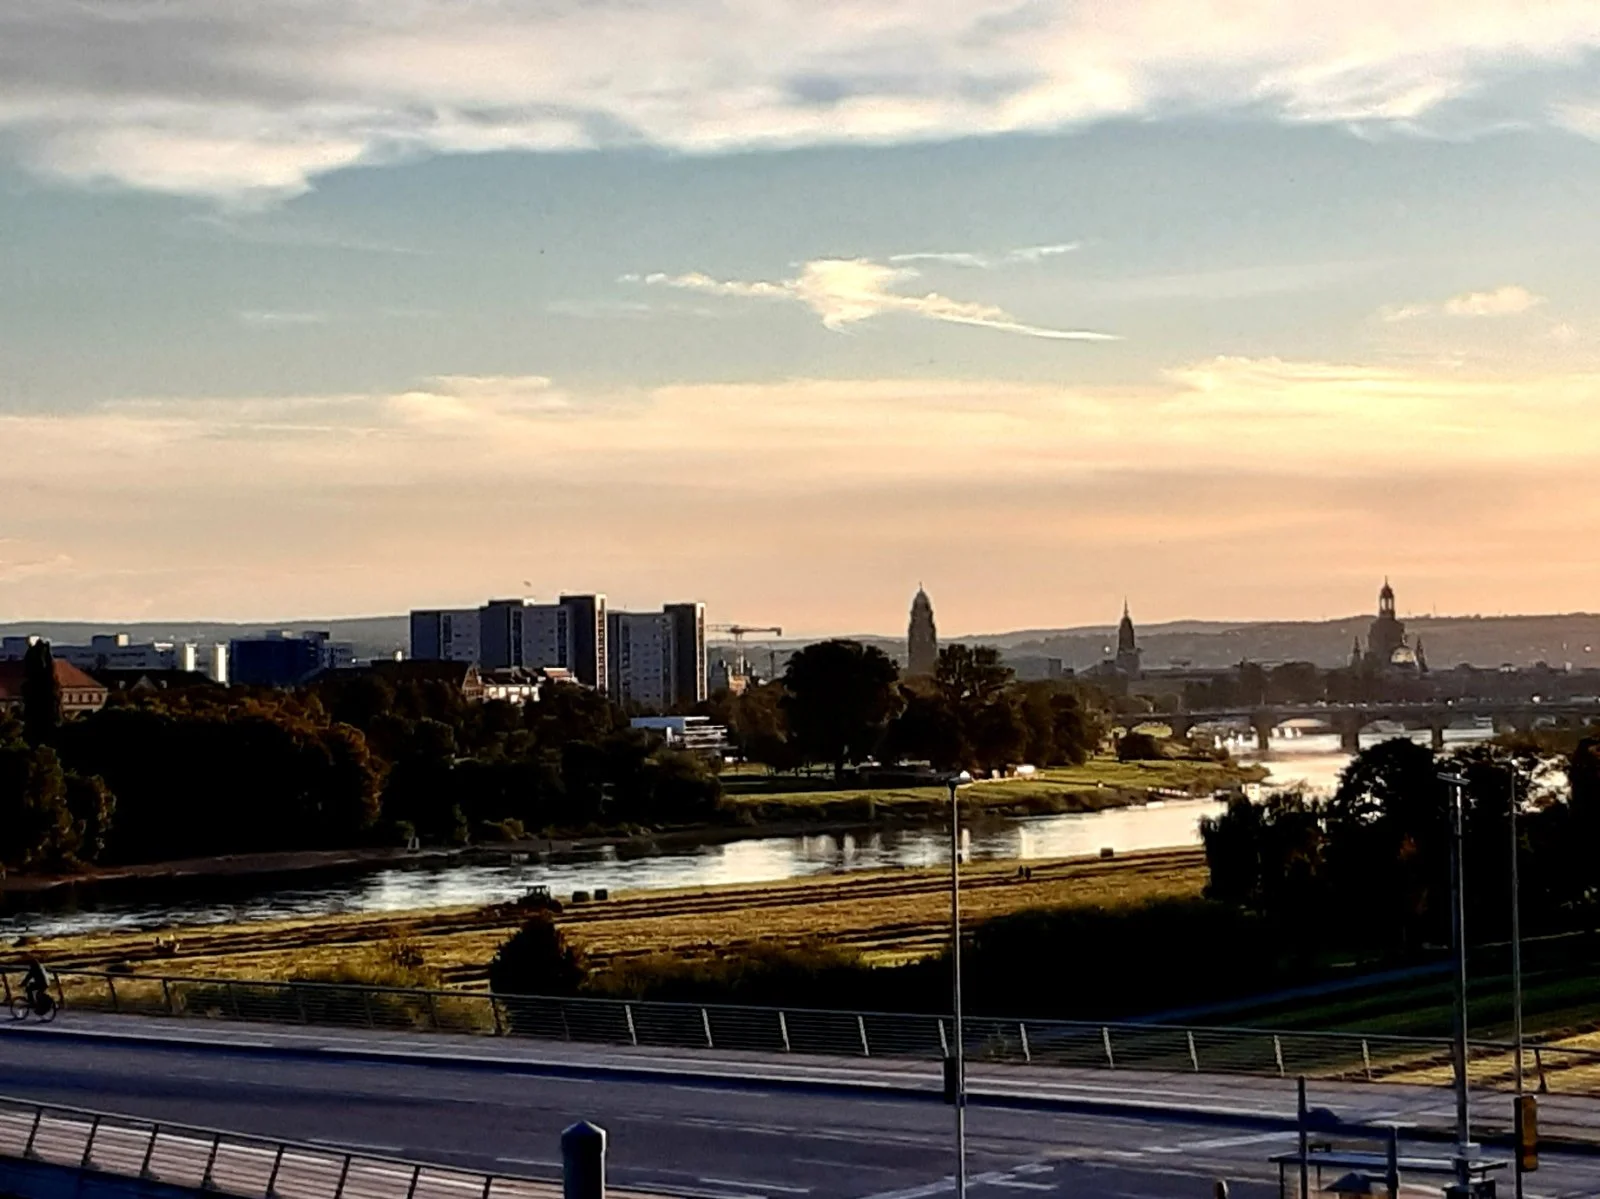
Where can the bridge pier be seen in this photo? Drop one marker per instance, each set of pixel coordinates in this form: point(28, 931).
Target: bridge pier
point(1350, 732)
point(1181, 725)
point(1263, 723)
point(1436, 737)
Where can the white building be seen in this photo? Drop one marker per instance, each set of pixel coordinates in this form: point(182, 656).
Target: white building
point(446, 635)
point(694, 733)
point(112, 651)
point(510, 634)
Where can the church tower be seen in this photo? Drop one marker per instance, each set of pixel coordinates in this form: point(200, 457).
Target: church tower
point(1387, 634)
point(922, 639)
point(1128, 655)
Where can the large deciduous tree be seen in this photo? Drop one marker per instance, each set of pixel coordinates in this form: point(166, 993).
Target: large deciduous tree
point(41, 695)
point(839, 696)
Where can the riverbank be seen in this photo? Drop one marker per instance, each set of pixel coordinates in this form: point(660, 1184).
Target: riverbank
point(886, 915)
point(1099, 785)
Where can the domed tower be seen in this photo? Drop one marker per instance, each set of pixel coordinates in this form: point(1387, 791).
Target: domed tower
point(1128, 655)
point(922, 639)
point(1386, 634)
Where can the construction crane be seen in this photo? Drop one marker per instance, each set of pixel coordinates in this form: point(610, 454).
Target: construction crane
point(741, 667)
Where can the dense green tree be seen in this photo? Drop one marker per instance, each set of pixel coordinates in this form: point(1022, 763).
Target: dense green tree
point(839, 696)
point(36, 822)
point(537, 960)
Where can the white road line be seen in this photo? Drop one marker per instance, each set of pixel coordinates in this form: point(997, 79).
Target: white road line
point(744, 1184)
point(1258, 1138)
point(1020, 1184)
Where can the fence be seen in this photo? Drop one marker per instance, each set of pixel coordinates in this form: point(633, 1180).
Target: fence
point(236, 1164)
point(1164, 1048)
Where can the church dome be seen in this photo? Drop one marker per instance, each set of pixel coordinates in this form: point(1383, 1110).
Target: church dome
point(1404, 656)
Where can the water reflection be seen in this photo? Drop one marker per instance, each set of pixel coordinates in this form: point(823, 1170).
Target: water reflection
point(1314, 761)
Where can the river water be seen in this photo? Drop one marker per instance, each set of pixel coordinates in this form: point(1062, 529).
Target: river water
point(1312, 761)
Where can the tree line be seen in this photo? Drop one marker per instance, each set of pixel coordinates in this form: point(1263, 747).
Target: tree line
point(361, 759)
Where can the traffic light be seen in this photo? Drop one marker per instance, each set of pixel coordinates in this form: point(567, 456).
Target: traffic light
point(1527, 1109)
point(952, 1081)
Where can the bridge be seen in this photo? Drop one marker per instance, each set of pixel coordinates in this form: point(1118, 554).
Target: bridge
point(1349, 720)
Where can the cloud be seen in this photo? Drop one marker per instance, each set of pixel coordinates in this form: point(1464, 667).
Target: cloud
point(380, 501)
point(1027, 254)
point(1502, 301)
point(249, 102)
point(1510, 300)
point(844, 291)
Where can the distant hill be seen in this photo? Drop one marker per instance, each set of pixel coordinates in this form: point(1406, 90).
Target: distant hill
point(1447, 640)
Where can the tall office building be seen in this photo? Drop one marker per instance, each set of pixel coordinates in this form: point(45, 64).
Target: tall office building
point(640, 649)
point(688, 652)
point(445, 634)
point(922, 638)
point(500, 632)
point(588, 617)
point(658, 659)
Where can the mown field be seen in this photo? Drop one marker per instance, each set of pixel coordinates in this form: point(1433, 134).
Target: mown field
point(1102, 782)
point(889, 916)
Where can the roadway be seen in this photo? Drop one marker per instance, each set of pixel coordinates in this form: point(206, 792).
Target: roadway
point(690, 1125)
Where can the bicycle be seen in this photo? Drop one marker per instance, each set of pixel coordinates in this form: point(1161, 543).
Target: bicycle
point(42, 1008)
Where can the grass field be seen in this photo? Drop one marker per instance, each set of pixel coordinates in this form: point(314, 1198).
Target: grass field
point(1102, 782)
point(889, 916)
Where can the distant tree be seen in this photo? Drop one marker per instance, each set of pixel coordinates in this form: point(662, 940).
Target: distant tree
point(537, 960)
point(974, 686)
point(1136, 746)
point(41, 695)
point(839, 696)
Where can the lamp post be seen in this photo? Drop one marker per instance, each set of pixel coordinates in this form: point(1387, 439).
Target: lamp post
point(1458, 923)
point(957, 1055)
point(1516, 954)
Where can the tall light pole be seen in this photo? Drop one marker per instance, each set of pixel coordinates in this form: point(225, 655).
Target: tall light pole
point(958, 1056)
point(1516, 953)
point(1458, 928)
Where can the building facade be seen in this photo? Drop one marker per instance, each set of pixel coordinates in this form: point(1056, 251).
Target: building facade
point(112, 651)
point(79, 693)
point(515, 634)
point(922, 637)
point(657, 660)
point(446, 635)
point(284, 659)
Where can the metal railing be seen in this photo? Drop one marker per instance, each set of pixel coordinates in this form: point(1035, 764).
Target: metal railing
point(1552, 1068)
point(207, 1159)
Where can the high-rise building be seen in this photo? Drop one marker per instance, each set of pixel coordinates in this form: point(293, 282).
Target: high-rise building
point(500, 634)
point(547, 638)
point(642, 652)
point(658, 659)
point(922, 639)
point(446, 634)
point(688, 652)
point(588, 617)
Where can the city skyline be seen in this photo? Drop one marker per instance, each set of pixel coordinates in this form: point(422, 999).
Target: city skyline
point(1043, 306)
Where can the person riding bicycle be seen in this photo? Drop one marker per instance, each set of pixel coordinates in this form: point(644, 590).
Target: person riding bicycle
point(36, 986)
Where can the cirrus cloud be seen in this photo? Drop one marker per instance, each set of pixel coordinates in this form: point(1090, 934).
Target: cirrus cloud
point(1510, 300)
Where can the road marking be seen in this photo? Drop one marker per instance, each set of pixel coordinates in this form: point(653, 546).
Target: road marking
point(1258, 1138)
point(762, 1186)
point(528, 1161)
point(367, 1145)
point(683, 1192)
point(1020, 1184)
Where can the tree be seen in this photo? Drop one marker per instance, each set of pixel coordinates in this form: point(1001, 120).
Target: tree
point(1135, 746)
point(839, 696)
point(41, 695)
point(537, 960)
point(974, 687)
point(36, 824)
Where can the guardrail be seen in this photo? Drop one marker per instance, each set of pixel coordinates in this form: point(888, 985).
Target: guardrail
point(207, 1159)
point(1162, 1048)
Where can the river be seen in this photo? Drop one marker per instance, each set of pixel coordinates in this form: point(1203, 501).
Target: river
point(1313, 761)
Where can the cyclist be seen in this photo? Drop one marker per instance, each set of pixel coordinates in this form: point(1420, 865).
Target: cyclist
point(36, 987)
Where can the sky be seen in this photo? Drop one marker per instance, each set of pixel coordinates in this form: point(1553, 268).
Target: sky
point(1231, 308)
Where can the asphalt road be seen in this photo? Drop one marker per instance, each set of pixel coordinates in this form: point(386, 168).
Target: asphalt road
point(695, 1136)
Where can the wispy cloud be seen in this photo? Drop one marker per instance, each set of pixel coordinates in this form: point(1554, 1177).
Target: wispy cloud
point(1510, 300)
point(232, 100)
point(266, 318)
point(988, 262)
point(845, 291)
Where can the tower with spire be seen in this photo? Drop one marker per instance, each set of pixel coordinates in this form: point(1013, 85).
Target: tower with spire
point(922, 638)
point(1129, 658)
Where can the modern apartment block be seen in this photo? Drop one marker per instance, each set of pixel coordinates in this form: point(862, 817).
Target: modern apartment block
point(507, 633)
point(658, 659)
point(284, 659)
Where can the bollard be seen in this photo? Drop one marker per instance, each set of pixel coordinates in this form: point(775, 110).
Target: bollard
point(583, 1161)
point(1219, 1189)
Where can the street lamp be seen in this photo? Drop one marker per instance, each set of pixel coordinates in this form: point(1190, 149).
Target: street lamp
point(957, 1060)
point(1458, 928)
point(1516, 955)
